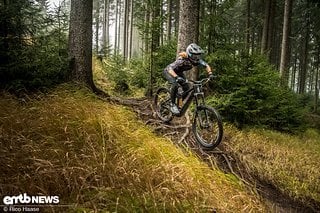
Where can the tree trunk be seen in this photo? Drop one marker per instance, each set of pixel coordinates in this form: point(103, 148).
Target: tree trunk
point(116, 28)
point(264, 40)
point(176, 17)
point(188, 28)
point(317, 81)
point(4, 47)
point(105, 36)
point(156, 25)
point(125, 29)
point(271, 31)
point(119, 27)
point(304, 55)
point(202, 26)
point(211, 28)
point(147, 29)
point(316, 92)
point(97, 19)
point(293, 74)
point(248, 26)
point(267, 33)
point(80, 42)
point(155, 41)
point(169, 20)
point(131, 29)
point(285, 47)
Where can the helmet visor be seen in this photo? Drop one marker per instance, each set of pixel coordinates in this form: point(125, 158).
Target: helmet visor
point(196, 57)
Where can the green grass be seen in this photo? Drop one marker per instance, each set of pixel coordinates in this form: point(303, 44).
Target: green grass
point(100, 157)
point(291, 163)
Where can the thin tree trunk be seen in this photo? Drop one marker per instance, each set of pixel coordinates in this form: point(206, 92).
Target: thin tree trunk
point(268, 31)
point(125, 29)
point(211, 28)
point(97, 19)
point(177, 15)
point(294, 71)
point(119, 27)
point(304, 55)
point(248, 26)
point(271, 31)
point(155, 41)
point(169, 20)
point(147, 29)
point(4, 58)
point(316, 91)
point(253, 37)
point(317, 81)
point(202, 26)
point(105, 36)
point(161, 24)
point(285, 49)
point(131, 29)
point(116, 28)
point(264, 40)
point(309, 84)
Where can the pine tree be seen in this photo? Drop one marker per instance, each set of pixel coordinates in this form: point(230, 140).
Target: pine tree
point(188, 27)
point(80, 42)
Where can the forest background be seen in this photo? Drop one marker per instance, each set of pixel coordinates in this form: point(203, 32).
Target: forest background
point(58, 137)
point(265, 53)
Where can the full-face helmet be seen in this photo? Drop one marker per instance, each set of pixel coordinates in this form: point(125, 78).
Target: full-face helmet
point(194, 52)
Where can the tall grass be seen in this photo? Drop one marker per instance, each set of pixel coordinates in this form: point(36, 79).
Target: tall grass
point(291, 163)
point(98, 157)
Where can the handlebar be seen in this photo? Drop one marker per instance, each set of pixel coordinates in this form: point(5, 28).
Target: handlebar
point(203, 81)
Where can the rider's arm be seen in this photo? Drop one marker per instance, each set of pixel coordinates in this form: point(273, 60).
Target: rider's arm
point(175, 65)
point(208, 68)
point(172, 72)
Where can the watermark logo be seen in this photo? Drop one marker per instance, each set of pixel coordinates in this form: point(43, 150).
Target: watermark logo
point(28, 203)
point(26, 199)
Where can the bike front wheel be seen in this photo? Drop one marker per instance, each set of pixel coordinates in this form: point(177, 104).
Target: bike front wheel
point(207, 127)
point(162, 104)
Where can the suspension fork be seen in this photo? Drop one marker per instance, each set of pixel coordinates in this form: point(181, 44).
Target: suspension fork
point(200, 102)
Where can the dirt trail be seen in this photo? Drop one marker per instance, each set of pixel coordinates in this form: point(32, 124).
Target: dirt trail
point(227, 161)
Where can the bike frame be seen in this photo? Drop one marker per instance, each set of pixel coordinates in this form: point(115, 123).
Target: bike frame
point(207, 124)
point(194, 93)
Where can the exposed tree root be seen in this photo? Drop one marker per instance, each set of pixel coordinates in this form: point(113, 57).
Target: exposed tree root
point(187, 129)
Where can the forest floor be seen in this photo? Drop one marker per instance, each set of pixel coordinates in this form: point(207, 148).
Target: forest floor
point(115, 155)
point(222, 157)
point(98, 156)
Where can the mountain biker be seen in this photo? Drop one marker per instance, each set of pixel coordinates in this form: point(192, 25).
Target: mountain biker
point(174, 71)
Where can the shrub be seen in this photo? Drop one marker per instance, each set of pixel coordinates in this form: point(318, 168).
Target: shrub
point(249, 93)
point(139, 73)
point(118, 73)
point(165, 55)
point(32, 55)
point(136, 72)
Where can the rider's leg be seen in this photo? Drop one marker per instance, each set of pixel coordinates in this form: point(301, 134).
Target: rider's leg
point(174, 85)
point(173, 91)
point(185, 86)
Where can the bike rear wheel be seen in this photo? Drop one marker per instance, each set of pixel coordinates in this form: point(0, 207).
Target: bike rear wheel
point(207, 127)
point(162, 102)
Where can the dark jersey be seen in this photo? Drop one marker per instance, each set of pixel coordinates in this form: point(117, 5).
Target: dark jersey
point(183, 64)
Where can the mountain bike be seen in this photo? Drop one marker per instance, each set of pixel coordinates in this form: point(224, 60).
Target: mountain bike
point(206, 122)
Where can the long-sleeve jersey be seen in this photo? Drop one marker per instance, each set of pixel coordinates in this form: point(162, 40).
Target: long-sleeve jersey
point(183, 64)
